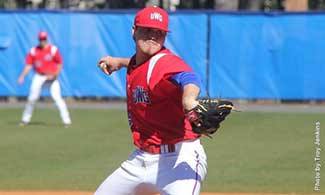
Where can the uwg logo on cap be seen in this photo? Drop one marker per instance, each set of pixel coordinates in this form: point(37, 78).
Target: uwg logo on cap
point(156, 16)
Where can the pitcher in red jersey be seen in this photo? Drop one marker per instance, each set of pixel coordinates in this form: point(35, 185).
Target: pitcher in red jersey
point(47, 63)
point(169, 158)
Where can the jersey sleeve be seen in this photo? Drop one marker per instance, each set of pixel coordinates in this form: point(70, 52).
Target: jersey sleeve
point(166, 67)
point(184, 78)
point(57, 57)
point(29, 58)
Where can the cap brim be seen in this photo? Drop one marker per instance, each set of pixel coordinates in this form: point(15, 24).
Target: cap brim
point(152, 26)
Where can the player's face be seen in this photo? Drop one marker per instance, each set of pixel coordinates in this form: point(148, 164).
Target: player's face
point(42, 42)
point(148, 40)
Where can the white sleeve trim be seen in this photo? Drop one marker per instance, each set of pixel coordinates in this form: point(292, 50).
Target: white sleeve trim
point(32, 51)
point(152, 64)
point(53, 50)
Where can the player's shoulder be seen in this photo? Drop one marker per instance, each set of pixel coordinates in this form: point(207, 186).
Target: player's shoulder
point(170, 63)
point(171, 58)
point(33, 51)
point(53, 49)
point(51, 46)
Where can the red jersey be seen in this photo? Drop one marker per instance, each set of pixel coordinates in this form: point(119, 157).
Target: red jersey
point(154, 103)
point(44, 60)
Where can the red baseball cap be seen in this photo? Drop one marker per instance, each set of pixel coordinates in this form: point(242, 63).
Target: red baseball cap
point(42, 35)
point(152, 17)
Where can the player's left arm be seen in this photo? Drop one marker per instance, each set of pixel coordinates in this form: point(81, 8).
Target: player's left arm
point(59, 63)
point(58, 70)
point(190, 82)
point(190, 95)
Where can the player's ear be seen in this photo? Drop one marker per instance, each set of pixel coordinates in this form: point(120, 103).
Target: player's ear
point(133, 31)
point(164, 38)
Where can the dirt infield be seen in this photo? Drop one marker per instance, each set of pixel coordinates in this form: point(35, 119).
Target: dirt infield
point(90, 193)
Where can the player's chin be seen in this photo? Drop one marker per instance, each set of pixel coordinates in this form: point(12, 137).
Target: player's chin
point(151, 49)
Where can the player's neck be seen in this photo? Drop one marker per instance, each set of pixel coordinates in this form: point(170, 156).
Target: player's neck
point(141, 58)
point(43, 46)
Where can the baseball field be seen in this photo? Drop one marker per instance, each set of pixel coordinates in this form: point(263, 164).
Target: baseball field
point(252, 153)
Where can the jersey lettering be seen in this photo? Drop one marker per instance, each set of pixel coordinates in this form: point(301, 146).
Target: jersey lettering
point(130, 119)
point(48, 57)
point(140, 95)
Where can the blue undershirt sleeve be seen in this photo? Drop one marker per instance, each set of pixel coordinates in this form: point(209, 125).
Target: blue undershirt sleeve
point(183, 78)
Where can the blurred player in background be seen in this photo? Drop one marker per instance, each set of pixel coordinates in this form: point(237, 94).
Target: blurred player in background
point(161, 89)
point(46, 60)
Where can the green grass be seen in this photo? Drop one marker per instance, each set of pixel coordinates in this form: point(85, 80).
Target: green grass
point(252, 152)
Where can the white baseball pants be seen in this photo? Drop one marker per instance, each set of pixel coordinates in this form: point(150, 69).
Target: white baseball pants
point(179, 172)
point(40, 81)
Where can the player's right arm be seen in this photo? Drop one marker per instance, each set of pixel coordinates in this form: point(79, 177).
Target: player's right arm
point(29, 64)
point(26, 70)
point(110, 64)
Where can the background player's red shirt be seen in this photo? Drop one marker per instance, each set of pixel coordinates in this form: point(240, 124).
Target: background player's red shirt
point(154, 103)
point(44, 60)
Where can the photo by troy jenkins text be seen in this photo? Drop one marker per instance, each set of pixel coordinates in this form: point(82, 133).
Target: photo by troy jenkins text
point(317, 158)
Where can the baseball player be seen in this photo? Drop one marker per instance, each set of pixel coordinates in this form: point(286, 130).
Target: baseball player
point(46, 60)
point(161, 87)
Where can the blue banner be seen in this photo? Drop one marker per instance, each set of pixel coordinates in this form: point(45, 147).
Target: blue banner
point(256, 56)
point(246, 56)
point(84, 37)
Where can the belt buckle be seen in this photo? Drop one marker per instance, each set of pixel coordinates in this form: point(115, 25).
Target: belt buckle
point(167, 148)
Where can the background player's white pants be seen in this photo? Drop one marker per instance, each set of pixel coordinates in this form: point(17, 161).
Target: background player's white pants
point(177, 173)
point(38, 82)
